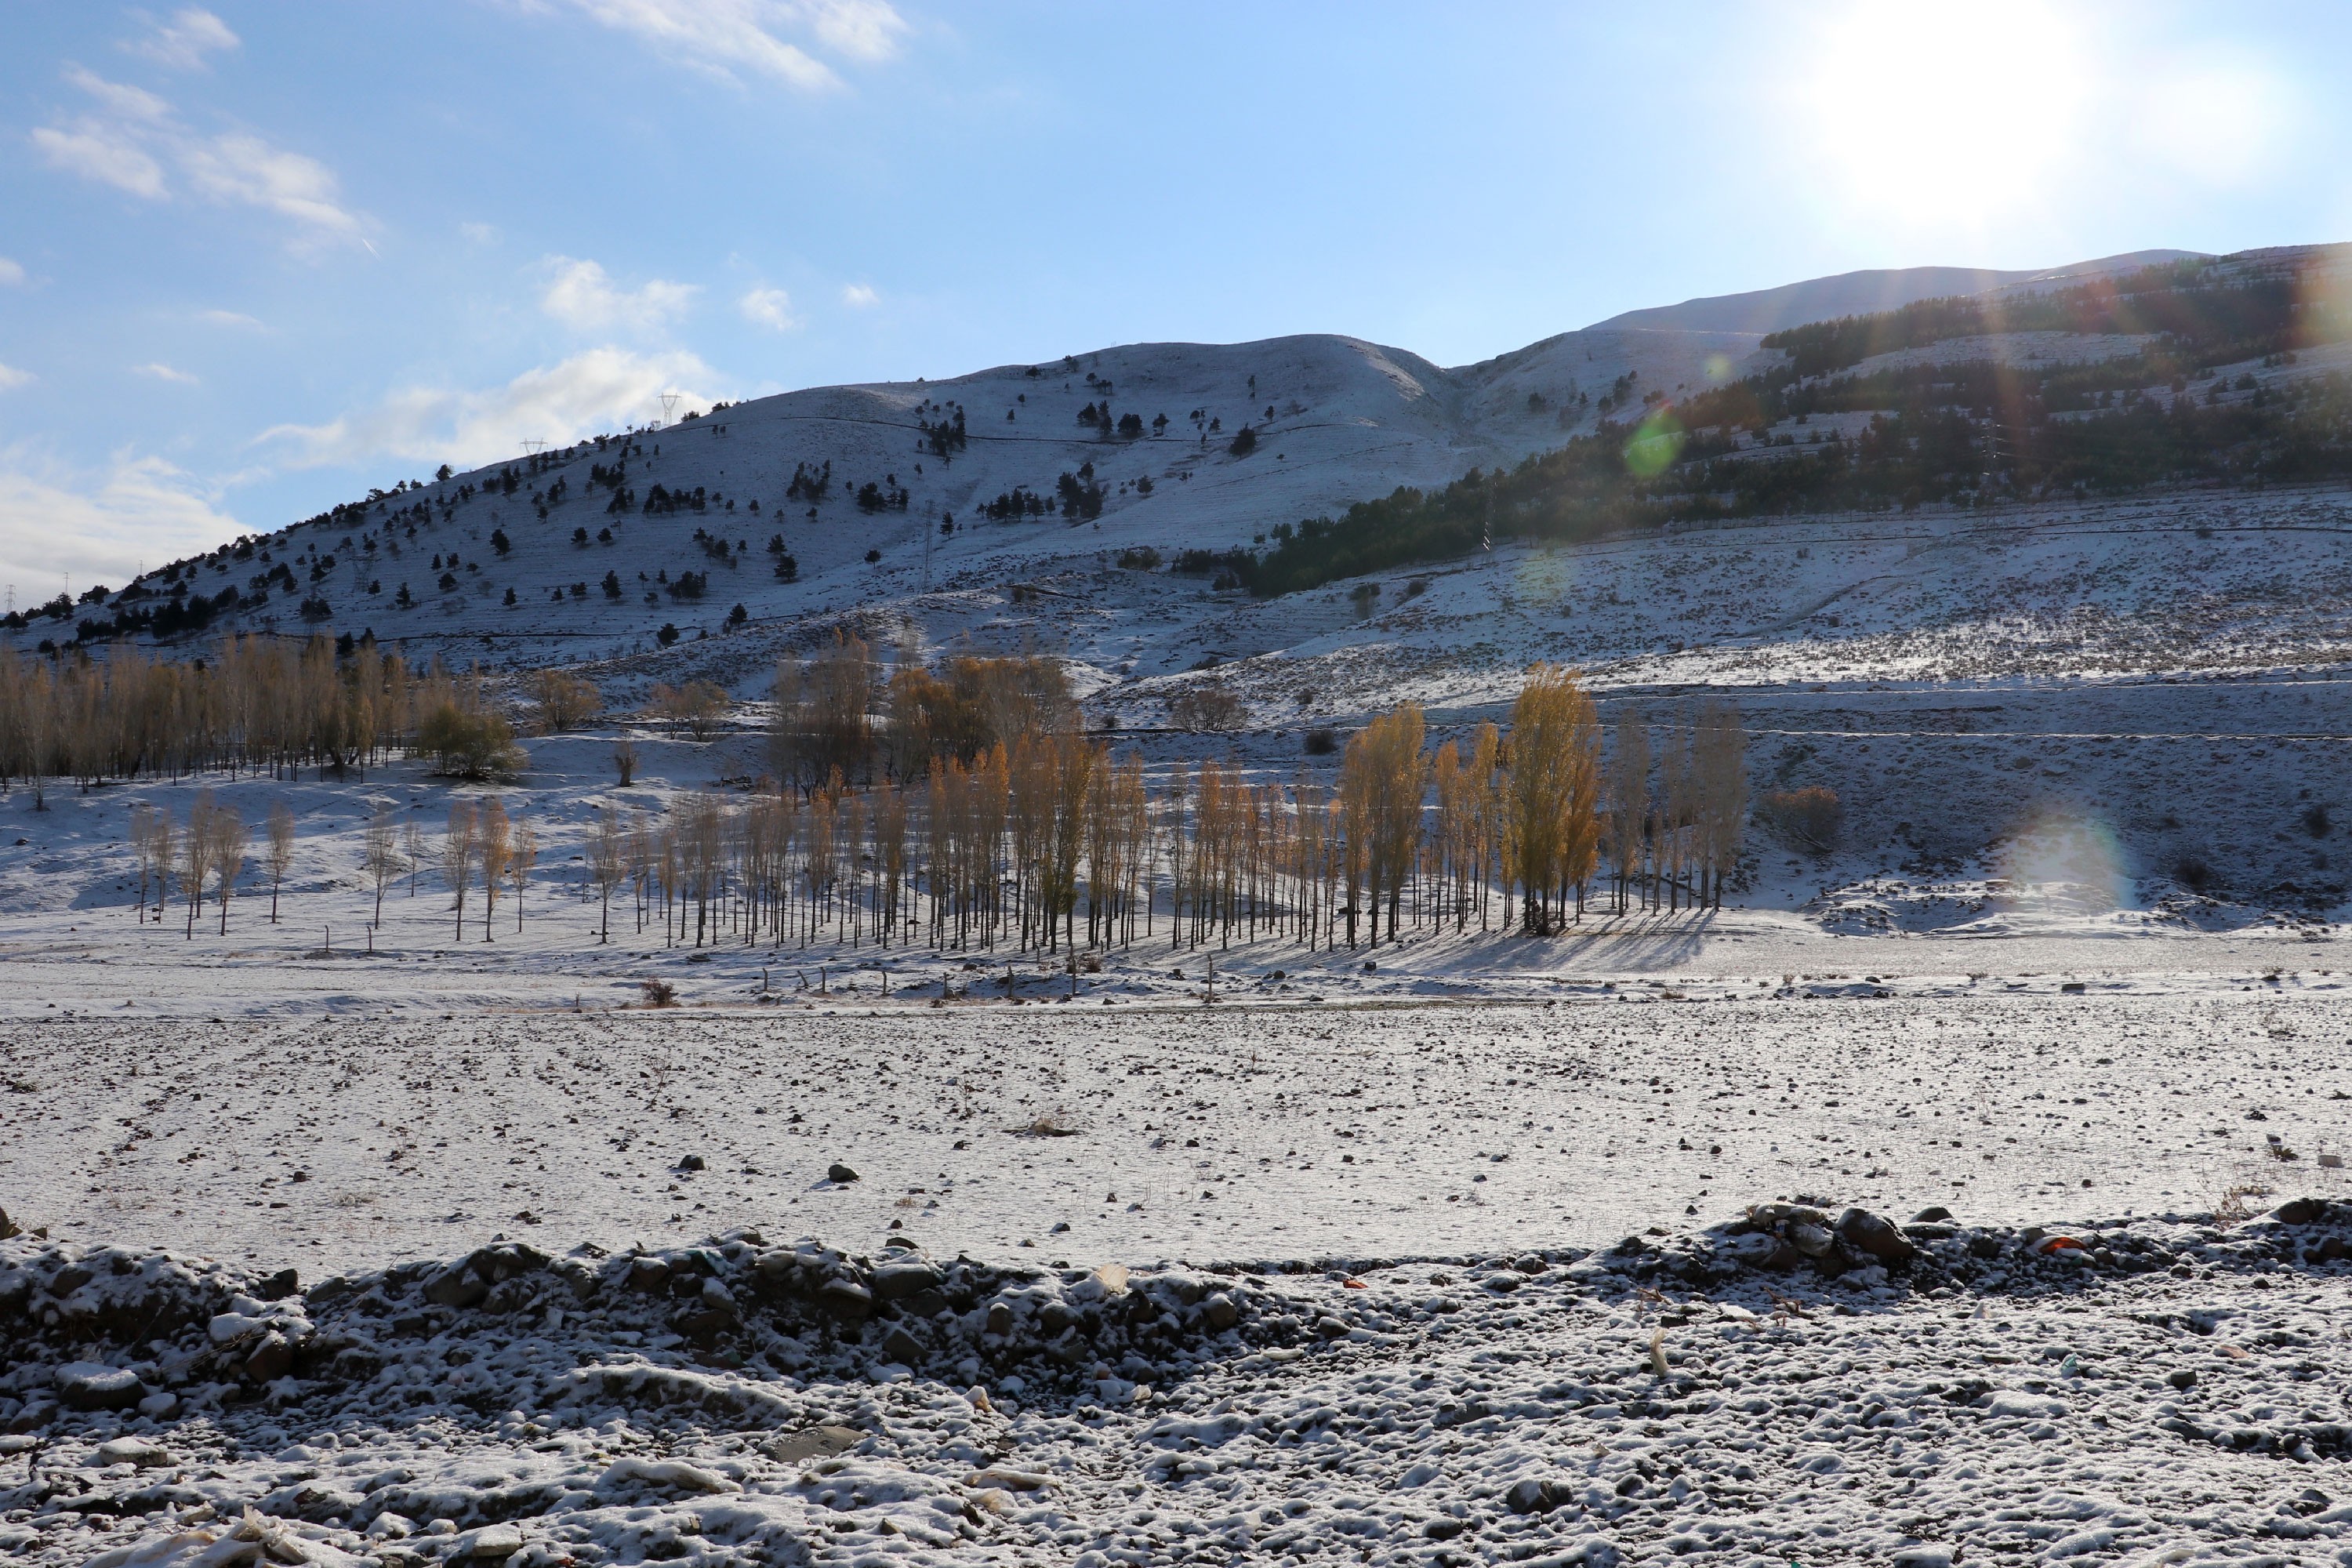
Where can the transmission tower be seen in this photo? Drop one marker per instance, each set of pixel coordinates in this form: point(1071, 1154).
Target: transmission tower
point(670, 405)
point(534, 447)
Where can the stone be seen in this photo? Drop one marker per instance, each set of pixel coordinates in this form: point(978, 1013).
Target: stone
point(690, 1163)
point(902, 1347)
point(901, 1278)
point(279, 1286)
point(2301, 1211)
point(1532, 1496)
point(136, 1451)
point(705, 1326)
point(272, 1359)
point(88, 1385)
point(495, 1542)
point(838, 1172)
point(1808, 1238)
point(1876, 1235)
point(1221, 1312)
point(648, 1274)
point(459, 1287)
point(1000, 1318)
point(846, 1300)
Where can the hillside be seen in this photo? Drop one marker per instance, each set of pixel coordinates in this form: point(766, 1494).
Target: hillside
point(818, 502)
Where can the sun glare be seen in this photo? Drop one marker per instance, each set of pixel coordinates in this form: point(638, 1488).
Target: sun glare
point(1941, 117)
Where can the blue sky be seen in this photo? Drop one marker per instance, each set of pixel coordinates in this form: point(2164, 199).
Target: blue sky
point(256, 257)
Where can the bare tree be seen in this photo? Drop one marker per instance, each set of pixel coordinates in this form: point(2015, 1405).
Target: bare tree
point(229, 838)
point(411, 851)
point(625, 762)
point(608, 862)
point(281, 850)
point(524, 843)
point(1629, 799)
point(196, 855)
point(144, 821)
point(565, 700)
point(461, 843)
point(380, 853)
point(496, 839)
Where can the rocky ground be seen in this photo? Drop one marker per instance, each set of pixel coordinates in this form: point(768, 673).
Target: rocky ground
point(1789, 1386)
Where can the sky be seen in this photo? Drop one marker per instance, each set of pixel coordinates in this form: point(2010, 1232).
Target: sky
point(256, 257)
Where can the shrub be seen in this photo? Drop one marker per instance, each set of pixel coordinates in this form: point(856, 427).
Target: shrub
point(1321, 741)
point(1244, 443)
point(697, 707)
point(565, 700)
point(1139, 558)
point(1207, 708)
point(2193, 874)
point(469, 743)
point(658, 993)
point(1809, 818)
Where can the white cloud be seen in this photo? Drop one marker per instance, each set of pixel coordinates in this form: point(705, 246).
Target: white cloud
point(721, 36)
point(11, 271)
point(242, 168)
point(11, 377)
point(864, 29)
point(769, 307)
point(858, 296)
point(229, 319)
point(97, 151)
point(129, 143)
point(98, 526)
point(602, 389)
point(163, 372)
point(479, 233)
point(582, 296)
point(184, 41)
point(119, 98)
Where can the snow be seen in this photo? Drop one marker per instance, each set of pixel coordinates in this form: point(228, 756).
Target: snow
point(434, 1245)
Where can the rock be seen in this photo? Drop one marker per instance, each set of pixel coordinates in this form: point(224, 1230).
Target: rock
point(1221, 1312)
point(88, 1385)
point(704, 1326)
point(2184, 1379)
point(1876, 1235)
point(1934, 1213)
point(845, 1300)
point(838, 1172)
point(1808, 1238)
point(2301, 1211)
point(690, 1163)
point(812, 1443)
point(9, 1229)
point(160, 1405)
point(1331, 1327)
point(459, 1287)
point(272, 1359)
point(902, 1278)
point(665, 1475)
point(1000, 1318)
point(902, 1347)
point(136, 1451)
point(279, 1286)
point(492, 1543)
point(648, 1274)
point(1533, 1496)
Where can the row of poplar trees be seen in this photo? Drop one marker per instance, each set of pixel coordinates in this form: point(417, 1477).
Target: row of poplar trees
point(1029, 840)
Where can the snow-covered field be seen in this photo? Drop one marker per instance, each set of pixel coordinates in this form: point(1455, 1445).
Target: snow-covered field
point(1442, 1284)
point(432, 1244)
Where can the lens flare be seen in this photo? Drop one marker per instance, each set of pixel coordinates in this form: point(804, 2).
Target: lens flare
point(1718, 367)
point(2061, 861)
point(1656, 443)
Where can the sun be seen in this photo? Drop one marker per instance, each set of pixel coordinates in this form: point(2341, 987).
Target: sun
point(1927, 115)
